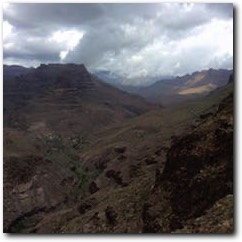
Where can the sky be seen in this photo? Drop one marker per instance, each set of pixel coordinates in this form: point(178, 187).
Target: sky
point(134, 41)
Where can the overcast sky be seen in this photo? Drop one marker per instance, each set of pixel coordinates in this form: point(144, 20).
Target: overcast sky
point(134, 41)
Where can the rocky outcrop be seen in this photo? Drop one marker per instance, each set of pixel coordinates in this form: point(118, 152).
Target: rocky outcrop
point(116, 177)
point(33, 185)
point(197, 174)
point(93, 187)
point(200, 167)
point(217, 219)
point(111, 216)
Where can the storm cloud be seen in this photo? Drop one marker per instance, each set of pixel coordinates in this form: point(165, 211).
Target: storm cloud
point(134, 41)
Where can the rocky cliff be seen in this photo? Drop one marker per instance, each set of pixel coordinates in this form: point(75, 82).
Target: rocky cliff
point(197, 179)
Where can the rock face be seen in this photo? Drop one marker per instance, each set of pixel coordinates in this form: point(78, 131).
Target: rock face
point(199, 171)
point(33, 185)
point(34, 100)
point(36, 82)
point(200, 167)
point(217, 219)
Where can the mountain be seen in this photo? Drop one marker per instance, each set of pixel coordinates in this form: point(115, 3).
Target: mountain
point(50, 114)
point(45, 99)
point(11, 72)
point(176, 180)
point(67, 169)
point(15, 70)
point(199, 183)
point(187, 87)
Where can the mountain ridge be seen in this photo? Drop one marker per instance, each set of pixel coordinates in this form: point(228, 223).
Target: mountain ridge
point(120, 160)
point(181, 88)
point(69, 87)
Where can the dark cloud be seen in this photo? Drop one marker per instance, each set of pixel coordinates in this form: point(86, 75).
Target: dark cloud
point(133, 40)
point(30, 15)
point(34, 50)
point(222, 10)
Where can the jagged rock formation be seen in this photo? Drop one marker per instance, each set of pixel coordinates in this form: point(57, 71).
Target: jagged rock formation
point(198, 173)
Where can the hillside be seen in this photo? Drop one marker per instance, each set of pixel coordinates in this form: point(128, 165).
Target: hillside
point(46, 98)
point(139, 184)
point(49, 113)
point(197, 179)
point(14, 70)
point(183, 88)
point(95, 176)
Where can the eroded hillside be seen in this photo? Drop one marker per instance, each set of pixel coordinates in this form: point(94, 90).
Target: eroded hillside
point(139, 169)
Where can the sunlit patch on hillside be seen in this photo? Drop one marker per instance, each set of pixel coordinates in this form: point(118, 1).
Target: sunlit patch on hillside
point(197, 79)
point(197, 90)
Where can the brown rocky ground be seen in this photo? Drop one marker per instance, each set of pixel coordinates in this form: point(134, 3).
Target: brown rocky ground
point(217, 219)
point(198, 174)
point(161, 172)
point(33, 186)
point(190, 193)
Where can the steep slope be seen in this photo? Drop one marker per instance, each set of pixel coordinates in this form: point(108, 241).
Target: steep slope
point(114, 180)
point(129, 192)
point(46, 98)
point(198, 173)
point(48, 114)
point(170, 91)
point(14, 70)
point(33, 186)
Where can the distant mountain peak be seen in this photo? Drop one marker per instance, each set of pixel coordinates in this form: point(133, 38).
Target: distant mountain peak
point(63, 66)
point(181, 88)
point(65, 75)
